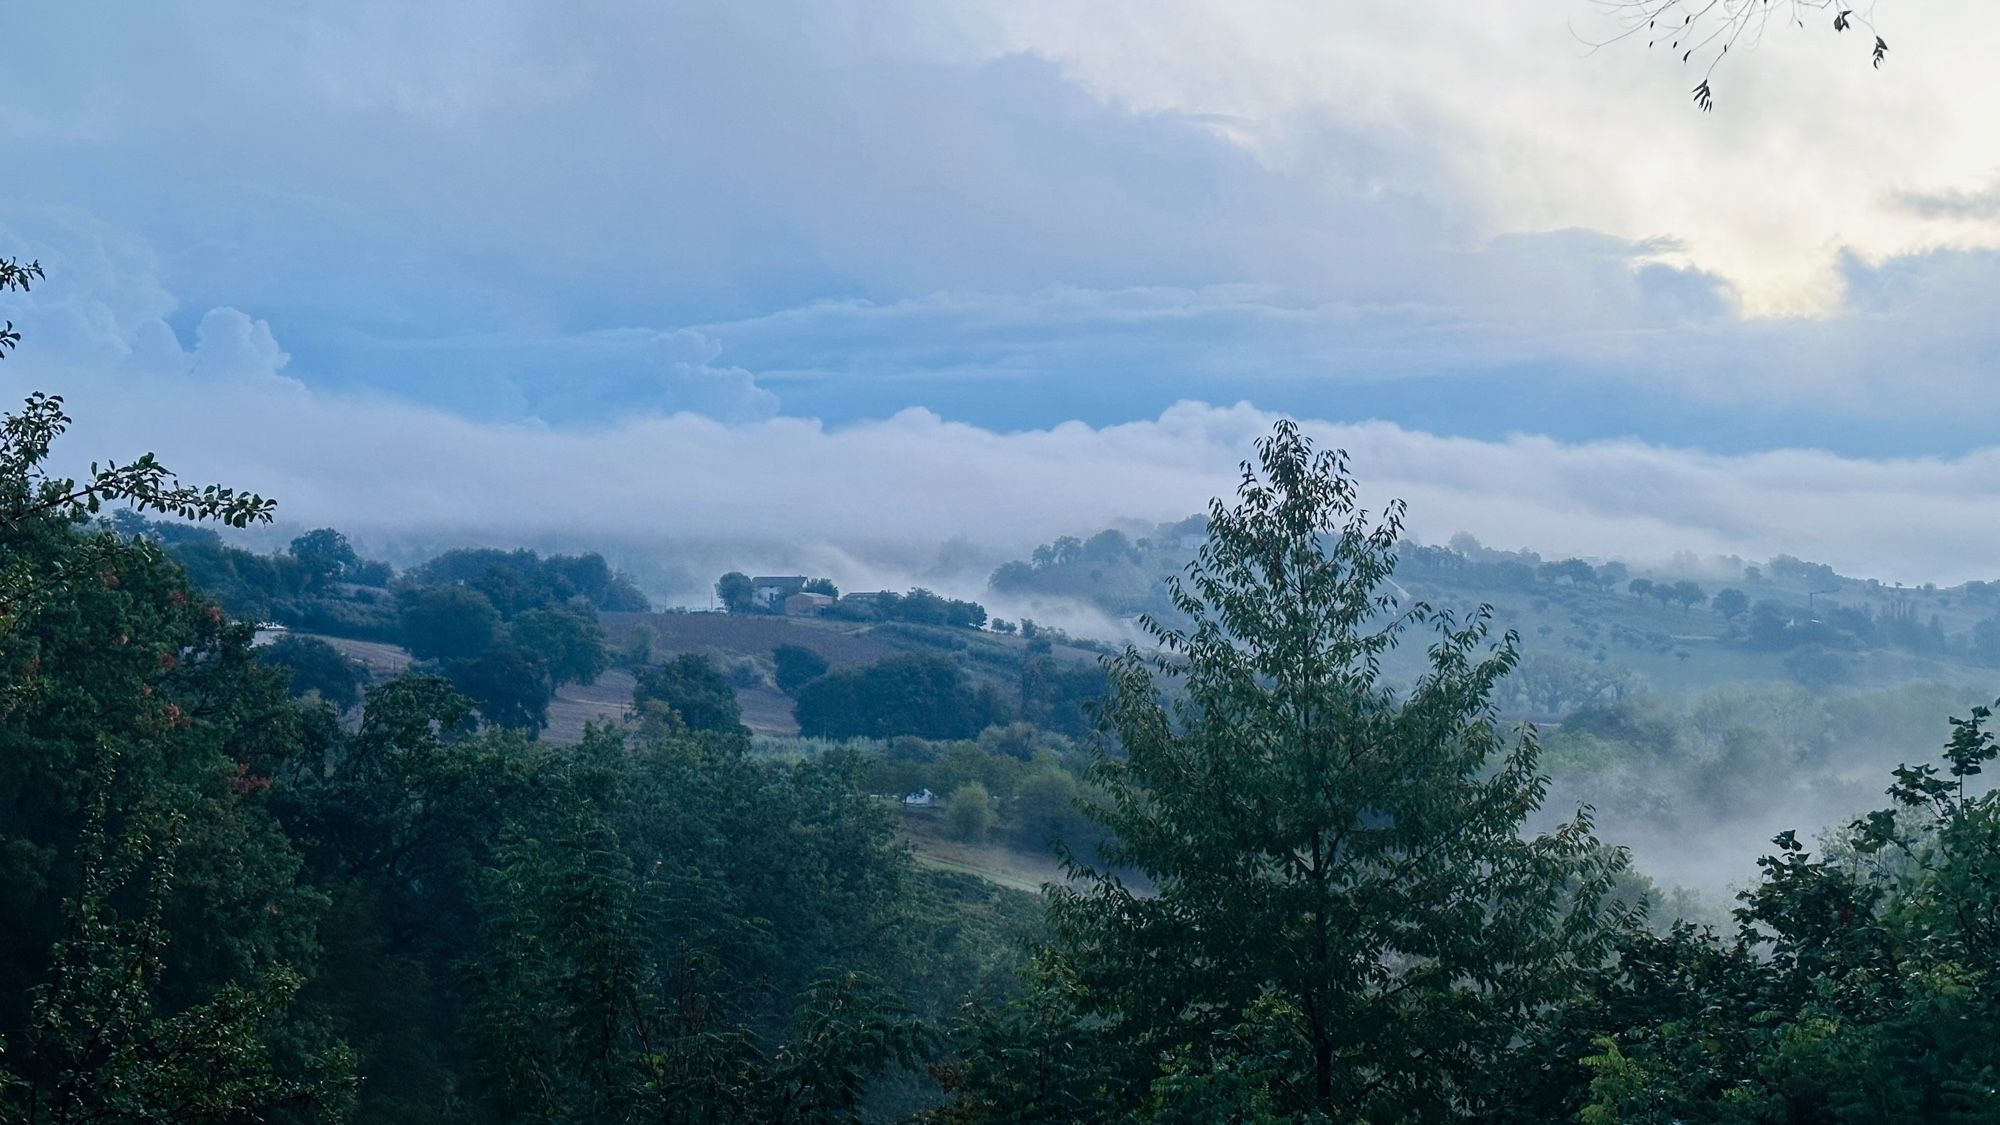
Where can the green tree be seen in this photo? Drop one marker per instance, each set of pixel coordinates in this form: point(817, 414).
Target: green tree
point(1336, 864)
point(447, 622)
point(1047, 809)
point(100, 1043)
point(797, 666)
point(734, 591)
point(566, 639)
point(821, 586)
point(325, 556)
point(1612, 575)
point(1551, 684)
point(1576, 571)
point(1685, 594)
point(312, 665)
point(1859, 985)
point(692, 688)
point(1819, 667)
point(153, 928)
point(510, 687)
point(921, 695)
point(968, 812)
point(1731, 603)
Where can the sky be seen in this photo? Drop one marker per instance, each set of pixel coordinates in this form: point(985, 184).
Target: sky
point(887, 286)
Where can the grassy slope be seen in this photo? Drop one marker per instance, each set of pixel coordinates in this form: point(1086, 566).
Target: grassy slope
point(923, 830)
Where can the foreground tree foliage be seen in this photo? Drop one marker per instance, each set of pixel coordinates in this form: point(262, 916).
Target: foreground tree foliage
point(1318, 898)
point(155, 929)
point(1862, 985)
point(221, 905)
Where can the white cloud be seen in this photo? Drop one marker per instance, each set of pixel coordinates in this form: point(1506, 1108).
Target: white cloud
point(1330, 191)
point(1496, 113)
point(668, 478)
point(887, 494)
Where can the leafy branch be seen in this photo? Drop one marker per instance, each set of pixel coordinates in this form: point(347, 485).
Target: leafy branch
point(1712, 29)
point(30, 496)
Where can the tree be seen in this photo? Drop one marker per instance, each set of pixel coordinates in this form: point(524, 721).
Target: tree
point(1335, 864)
point(447, 622)
point(968, 812)
point(694, 689)
point(312, 665)
point(1685, 594)
point(325, 556)
point(1553, 683)
point(1110, 545)
point(1985, 640)
point(1731, 603)
point(922, 695)
point(922, 607)
point(735, 592)
point(1703, 33)
point(821, 586)
point(1819, 667)
point(1612, 575)
point(797, 666)
point(510, 687)
point(102, 1046)
point(1859, 985)
point(1063, 551)
point(154, 932)
point(566, 639)
point(1576, 571)
point(1640, 587)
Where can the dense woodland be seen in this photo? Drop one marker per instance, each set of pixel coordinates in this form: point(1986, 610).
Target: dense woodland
point(1311, 871)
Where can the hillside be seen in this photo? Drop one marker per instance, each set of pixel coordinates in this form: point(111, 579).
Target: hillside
point(743, 645)
point(1676, 629)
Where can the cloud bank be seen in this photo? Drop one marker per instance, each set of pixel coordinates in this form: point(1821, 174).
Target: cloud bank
point(887, 495)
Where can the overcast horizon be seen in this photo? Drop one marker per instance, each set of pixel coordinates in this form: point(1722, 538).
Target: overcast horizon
point(876, 278)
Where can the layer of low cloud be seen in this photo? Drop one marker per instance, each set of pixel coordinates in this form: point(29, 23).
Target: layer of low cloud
point(886, 496)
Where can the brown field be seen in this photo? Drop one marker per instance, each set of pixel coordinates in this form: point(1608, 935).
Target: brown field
point(922, 829)
point(609, 700)
point(733, 636)
point(383, 661)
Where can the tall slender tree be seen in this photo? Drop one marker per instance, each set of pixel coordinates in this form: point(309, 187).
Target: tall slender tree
point(1335, 906)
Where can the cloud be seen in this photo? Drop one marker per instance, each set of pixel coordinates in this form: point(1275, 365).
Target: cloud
point(705, 465)
point(888, 494)
point(1508, 122)
point(230, 347)
point(456, 209)
point(1980, 203)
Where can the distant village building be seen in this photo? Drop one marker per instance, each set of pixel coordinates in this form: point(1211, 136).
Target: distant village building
point(867, 597)
point(770, 591)
point(806, 605)
point(921, 799)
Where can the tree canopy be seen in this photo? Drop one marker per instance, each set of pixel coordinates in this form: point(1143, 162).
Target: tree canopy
point(1333, 864)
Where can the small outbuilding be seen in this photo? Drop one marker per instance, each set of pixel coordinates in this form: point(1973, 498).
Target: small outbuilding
point(806, 605)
